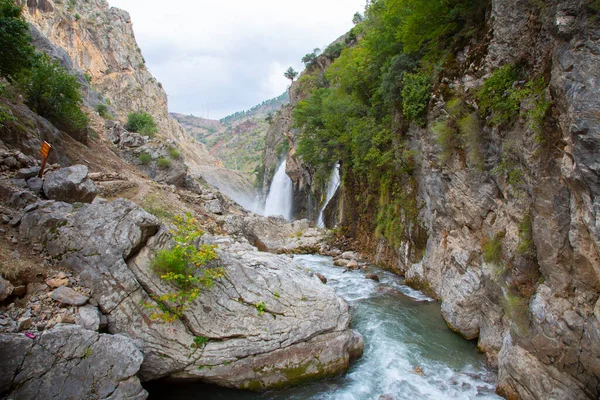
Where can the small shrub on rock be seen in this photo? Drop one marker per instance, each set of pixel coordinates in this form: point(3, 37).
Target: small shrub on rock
point(141, 123)
point(163, 162)
point(174, 153)
point(185, 267)
point(145, 158)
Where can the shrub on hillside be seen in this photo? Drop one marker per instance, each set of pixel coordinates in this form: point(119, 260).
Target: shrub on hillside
point(145, 158)
point(163, 162)
point(16, 52)
point(141, 123)
point(53, 93)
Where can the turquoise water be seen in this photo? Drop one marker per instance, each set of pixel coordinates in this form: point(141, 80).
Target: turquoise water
point(409, 351)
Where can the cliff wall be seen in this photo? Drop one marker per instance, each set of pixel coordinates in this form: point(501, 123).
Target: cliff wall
point(509, 243)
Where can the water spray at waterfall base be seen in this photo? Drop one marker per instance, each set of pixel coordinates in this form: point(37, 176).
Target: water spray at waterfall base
point(279, 200)
point(334, 184)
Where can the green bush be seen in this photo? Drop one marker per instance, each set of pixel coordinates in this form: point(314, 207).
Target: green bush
point(498, 97)
point(54, 94)
point(174, 153)
point(525, 236)
point(445, 135)
point(102, 110)
point(492, 249)
point(163, 162)
point(184, 266)
point(16, 52)
point(141, 123)
point(470, 131)
point(200, 341)
point(415, 96)
point(459, 130)
point(145, 158)
point(261, 307)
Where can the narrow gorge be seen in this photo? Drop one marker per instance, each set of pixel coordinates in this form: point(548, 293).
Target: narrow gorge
point(416, 218)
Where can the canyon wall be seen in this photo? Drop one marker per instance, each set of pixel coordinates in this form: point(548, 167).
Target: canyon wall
point(509, 246)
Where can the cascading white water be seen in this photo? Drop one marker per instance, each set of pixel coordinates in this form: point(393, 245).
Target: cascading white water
point(334, 183)
point(279, 200)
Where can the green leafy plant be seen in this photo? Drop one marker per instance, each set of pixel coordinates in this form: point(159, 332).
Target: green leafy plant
point(261, 307)
point(163, 162)
point(174, 153)
point(145, 158)
point(276, 294)
point(498, 97)
point(54, 94)
point(102, 110)
point(200, 341)
point(415, 96)
point(185, 266)
point(525, 245)
point(141, 123)
point(492, 249)
point(17, 53)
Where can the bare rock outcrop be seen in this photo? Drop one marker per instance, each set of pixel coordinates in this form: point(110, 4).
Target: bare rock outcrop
point(275, 234)
point(69, 362)
point(268, 322)
point(70, 184)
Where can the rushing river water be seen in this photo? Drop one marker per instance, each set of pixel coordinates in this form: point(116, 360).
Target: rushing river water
point(409, 351)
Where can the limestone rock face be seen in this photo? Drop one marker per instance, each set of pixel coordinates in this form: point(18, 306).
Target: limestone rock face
point(70, 184)
point(265, 320)
point(69, 362)
point(534, 307)
point(102, 44)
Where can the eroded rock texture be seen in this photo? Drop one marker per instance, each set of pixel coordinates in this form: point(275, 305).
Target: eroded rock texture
point(69, 362)
point(269, 322)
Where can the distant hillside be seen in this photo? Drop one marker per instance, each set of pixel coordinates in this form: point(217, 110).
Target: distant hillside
point(261, 110)
point(238, 139)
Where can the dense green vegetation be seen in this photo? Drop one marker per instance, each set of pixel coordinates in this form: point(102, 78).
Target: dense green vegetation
point(186, 267)
point(48, 89)
point(357, 111)
point(142, 123)
point(16, 53)
point(54, 94)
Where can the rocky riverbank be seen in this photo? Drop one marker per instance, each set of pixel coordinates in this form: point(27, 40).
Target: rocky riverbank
point(267, 323)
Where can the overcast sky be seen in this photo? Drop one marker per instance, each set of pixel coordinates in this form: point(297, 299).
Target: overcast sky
point(228, 56)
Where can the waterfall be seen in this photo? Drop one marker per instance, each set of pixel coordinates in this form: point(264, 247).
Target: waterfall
point(334, 183)
point(279, 200)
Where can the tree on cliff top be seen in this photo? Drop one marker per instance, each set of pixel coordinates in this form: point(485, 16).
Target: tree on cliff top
point(16, 52)
point(290, 74)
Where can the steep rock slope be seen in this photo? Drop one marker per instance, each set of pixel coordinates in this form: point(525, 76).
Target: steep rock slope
point(510, 246)
point(99, 41)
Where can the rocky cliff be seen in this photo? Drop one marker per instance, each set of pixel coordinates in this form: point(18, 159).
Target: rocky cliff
point(98, 41)
point(506, 236)
point(77, 286)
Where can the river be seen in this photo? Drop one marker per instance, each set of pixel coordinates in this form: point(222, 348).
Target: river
point(409, 351)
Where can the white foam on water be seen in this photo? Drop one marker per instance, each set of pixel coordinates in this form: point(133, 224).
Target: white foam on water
point(399, 340)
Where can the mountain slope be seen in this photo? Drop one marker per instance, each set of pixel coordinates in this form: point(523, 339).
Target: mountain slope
point(239, 139)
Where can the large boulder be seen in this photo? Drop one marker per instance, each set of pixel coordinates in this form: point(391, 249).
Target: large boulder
point(268, 322)
point(70, 184)
point(6, 288)
point(69, 362)
point(275, 234)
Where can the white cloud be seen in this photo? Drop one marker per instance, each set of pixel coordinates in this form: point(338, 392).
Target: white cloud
point(231, 55)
